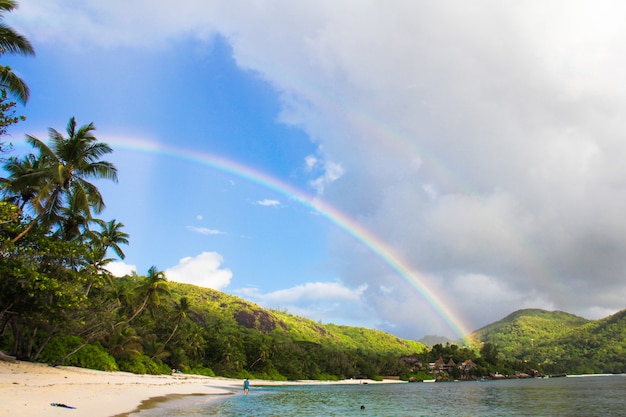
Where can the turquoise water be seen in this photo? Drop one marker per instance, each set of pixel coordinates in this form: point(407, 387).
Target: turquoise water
point(582, 396)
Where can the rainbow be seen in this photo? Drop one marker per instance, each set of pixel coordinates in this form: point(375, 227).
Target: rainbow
point(365, 237)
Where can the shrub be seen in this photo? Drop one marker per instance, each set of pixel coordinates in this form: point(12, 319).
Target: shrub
point(89, 356)
point(327, 377)
point(58, 347)
point(132, 363)
point(202, 371)
point(93, 357)
point(243, 374)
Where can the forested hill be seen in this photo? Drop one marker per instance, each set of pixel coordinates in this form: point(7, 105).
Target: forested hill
point(559, 341)
point(233, 314)
point(526, 327)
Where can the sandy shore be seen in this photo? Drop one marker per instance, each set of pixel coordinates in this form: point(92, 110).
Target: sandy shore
point(29, 389)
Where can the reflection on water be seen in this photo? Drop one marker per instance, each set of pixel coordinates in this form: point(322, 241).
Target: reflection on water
point(588, 396)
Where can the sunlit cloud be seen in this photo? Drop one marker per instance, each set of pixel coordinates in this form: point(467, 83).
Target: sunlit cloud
point(120, 269)
point(203, 270)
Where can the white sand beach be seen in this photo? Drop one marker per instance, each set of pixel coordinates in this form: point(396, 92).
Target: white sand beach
point(29, 389)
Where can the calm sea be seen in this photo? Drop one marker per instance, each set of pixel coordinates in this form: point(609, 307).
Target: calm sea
point(571, 396)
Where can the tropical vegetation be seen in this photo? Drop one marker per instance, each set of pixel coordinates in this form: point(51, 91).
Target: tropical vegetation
point(11, 85)
point(12, 42)
point(559, 342)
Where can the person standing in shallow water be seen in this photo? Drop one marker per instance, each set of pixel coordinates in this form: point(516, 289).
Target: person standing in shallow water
point(246, 386)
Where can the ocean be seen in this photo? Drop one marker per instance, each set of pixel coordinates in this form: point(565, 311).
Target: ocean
point(571, 396)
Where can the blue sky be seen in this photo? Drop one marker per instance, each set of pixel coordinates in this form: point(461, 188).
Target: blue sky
point(476, 149)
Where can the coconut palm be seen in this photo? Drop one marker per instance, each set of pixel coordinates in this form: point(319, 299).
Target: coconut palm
point(66, 165)
point(181, 310)
point(74, 220)
point(25, 179)
point(153, 288)
point(13, 43)
point(112, 236)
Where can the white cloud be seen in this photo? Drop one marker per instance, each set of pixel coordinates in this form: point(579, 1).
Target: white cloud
point(315, 291)
point(332, 172)
point(325, 301)
point(203, 270)
point(269, 203)
point(120, 269)
point(310, 162)
point(205, 231)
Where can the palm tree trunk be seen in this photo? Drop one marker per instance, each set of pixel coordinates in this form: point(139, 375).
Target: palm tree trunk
point(31, 341)
point(167, 341)
point(28, 228)
point(36, 220)
point(88, 288)
point(143, 306)
point(51, 334)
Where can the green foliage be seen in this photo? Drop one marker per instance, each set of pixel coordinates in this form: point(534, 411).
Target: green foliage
point(418, 376)
point(89, 356)
point(8, 116)
point(201, 371)
point(59, 347)
point(327, 377)
point(518, 334)
point(135, 364)
point(141, 364)
point(93, 357)
point(558, 342)
point(12, 42)
point(375, 340)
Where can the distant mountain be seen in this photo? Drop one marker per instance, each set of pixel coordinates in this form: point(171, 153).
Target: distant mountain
point(432, 340)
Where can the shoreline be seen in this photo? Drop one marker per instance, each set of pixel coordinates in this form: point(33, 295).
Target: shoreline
point(29, 389)
point(165, 401)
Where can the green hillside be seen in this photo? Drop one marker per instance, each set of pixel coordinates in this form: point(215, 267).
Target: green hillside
point(560, 342)
point(250, 317)
point(235, 337)
point(596, 347)
point(517, 333)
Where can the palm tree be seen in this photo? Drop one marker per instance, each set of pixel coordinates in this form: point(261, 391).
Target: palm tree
point(66, 166)
point(124, 342)
point(112, 236)
point(14, 43)
point(73, 220)
point(97, 272)
point(153, 287)
point(25, 179)
point(182, 310)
